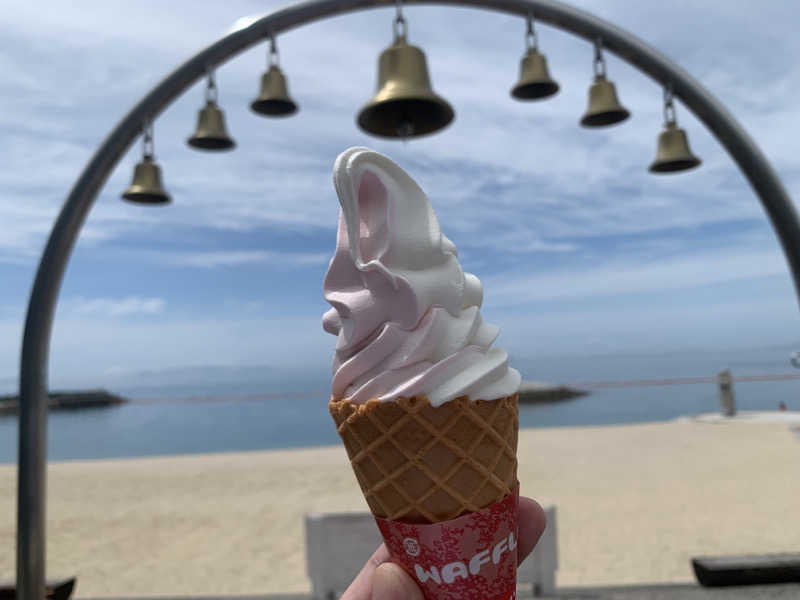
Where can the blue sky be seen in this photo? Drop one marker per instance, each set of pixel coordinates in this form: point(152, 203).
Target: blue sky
point(581, 251)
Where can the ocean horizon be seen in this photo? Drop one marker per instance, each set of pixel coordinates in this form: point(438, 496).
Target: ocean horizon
point(258, 408)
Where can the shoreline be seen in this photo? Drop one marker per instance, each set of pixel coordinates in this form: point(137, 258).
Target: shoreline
point(634, 503)
point(790, 419)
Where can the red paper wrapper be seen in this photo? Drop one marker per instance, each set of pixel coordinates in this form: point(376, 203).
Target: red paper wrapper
point(473, 557)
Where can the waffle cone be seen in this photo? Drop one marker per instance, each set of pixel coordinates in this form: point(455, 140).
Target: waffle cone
point(426, 464)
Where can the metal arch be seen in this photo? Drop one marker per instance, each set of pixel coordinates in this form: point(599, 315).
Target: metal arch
point(36, 340)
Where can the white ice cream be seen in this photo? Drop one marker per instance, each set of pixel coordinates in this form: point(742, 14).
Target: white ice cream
point(406, 315)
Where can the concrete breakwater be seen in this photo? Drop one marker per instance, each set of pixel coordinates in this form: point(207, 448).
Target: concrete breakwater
point(9, 405)
point(536, 392)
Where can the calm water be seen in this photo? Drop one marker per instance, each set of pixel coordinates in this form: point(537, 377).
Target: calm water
point(162, 420)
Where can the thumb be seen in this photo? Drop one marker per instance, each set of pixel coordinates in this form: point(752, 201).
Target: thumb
point(391, 582)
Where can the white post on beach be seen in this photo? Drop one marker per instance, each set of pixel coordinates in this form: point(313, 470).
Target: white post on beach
point(726, 400)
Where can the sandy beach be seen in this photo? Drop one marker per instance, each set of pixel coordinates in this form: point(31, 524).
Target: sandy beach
point(634, 504)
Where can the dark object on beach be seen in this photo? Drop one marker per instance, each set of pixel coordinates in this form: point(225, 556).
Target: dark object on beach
point(540, 393)
point(747, 570)
point(60, 589)
point(9, 405)
point(727, 400)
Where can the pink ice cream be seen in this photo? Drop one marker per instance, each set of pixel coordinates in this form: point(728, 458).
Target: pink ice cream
point(406, 315)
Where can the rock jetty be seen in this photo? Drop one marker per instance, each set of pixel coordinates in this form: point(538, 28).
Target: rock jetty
point(9, 405)
point(537, 392)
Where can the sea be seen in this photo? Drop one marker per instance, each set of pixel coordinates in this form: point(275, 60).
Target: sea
point(227, 411)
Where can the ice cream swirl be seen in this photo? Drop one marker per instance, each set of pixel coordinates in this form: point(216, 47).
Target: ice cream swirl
point(406, 315)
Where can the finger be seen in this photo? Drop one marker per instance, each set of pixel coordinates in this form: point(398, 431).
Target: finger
point(391, 582)
point(361, 588)
point(532, 522)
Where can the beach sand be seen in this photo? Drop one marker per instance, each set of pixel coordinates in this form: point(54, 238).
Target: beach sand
point(634, 504)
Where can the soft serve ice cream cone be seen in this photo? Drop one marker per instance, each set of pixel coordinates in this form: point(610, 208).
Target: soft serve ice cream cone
point(425, 406)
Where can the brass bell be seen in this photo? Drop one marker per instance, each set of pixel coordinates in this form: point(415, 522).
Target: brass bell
point(534, 80)
point(210, 133)
point(673, 151)
point(404, 105)
point(274, 100)
point(146, 187)
point(604, 107)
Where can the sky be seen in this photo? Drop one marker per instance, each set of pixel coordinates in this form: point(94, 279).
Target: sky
point(580, 249)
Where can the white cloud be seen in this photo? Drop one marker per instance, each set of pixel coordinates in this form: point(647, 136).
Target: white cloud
point(117, 307)
point(617, 277)
point(517, 241)
point(243, 257)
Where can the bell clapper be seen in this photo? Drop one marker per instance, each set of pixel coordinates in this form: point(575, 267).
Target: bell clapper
point(405, 129)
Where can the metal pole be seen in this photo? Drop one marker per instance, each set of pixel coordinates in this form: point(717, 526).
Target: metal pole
point(41, 307)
